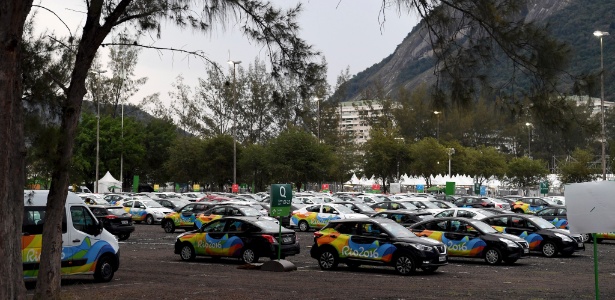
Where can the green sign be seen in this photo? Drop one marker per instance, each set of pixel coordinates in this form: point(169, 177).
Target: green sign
point(544, 187)
point(135, 184)
point(477, 188)
point(450, 188)
point(281, 198)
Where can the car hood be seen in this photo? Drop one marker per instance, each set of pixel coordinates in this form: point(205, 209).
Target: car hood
point(422, 240)
point(563, 231)
point(163, 210)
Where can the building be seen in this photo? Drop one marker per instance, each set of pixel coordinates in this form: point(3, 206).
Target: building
point(354, 119)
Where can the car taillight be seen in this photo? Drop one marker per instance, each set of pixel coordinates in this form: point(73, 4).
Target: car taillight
point(110, 217)
point(269, 238)
point(317, 234)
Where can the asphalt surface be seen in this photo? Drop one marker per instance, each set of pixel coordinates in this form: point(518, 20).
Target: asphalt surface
point(150, 270)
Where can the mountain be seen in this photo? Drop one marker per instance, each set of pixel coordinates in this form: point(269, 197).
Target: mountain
point(570, 21)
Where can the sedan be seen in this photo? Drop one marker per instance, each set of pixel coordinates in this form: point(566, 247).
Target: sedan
point(185, 217)
point(246, 238)
point(539, 233)
point(393, 205)
point(115, 220)
point(460, 212)
point(319, 215)
point(358, 207)
point(404, 217)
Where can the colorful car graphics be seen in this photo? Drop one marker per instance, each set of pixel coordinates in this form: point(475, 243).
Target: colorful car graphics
point(180, 219)
point(137, 215)
point(605, 235)
point(347, 248)
point(203, 219)
point(465, 247)
point(533, 239)
point(315, 220)
point(560, 223)
point(75, 259)
point(205, 244)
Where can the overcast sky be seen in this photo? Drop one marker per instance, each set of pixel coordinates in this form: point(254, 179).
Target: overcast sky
point(347, 32)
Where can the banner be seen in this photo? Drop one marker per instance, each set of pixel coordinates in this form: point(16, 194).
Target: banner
point(135, 184)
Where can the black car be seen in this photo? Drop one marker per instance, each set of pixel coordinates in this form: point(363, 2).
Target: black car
point(404, 217)
point(115, 220)
point(247, 238)
point(393, 205)
point(474, 201)
point(380, 241)
point(473, 239)
point(539, 233)
point(358, 207)
point(556, 214)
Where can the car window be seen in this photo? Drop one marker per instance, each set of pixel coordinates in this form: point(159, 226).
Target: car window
point(327, 209)
point(436, 226)
point(498, 221)
point(215, 226)
point(313, 208)
point(446, 213)
point(128, 204)
point(218, 210)
point(465, 214)
point(369, 229)
point(561, 212)
point(347, 228)
point(187, 208)
point(518, 222)
point(99, 211)
point(237, 226)
point(395, 205)
point(549, 212)
point(81, 218)
point(380, 205)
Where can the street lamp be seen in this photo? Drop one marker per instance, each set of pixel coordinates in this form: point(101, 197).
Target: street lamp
point(529, 139)
point(437, 113)
point(450, 152)
point(600, 34)
point(234, 63)
point(97, 128)
point(318, 108)
point(398, 139)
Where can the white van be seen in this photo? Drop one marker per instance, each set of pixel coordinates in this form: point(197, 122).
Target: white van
point(87, 247)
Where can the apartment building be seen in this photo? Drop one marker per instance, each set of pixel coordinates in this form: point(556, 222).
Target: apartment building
point(354, 118)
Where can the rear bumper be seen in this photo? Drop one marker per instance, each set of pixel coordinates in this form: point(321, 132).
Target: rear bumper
point(287, 250)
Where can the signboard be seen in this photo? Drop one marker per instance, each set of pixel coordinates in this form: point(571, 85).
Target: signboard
point(281, 198)
point(476, 188)
point(395, 188)
point(235, 188)
point(375, 187)
point(544, 187)
point(135, 184)
point(156, 187)
point(325, 187)
point(196, 187)
point(450, 188)
point(483, 190)
point(420, 188)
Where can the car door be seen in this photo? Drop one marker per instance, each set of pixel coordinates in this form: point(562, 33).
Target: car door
point(85, 232)
point(213, 240)
point(186, 215)
point(371, 243)
point(521, 227)
point(327, 213)
point(138, 211)
point(462, 239)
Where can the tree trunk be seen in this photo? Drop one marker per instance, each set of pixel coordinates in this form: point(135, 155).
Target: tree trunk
point(12, 152)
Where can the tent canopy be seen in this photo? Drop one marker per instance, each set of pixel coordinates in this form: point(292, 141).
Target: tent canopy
point(108, 184)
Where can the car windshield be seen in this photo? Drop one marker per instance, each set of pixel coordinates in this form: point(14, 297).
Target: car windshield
point(152, 204)
point(397, 230)
point(250, 212)
point(344, 210)
point(542, 223)
point(364, 207)
point(484, 227)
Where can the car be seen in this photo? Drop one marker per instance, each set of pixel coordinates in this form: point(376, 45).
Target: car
point(559, 200)
point(557, 215)
point(461, 212)
point(539, 233)
point(115, 198)
point(474, 201)
point(373, 198)
point(379, 241)
point(404, 217)
point(246, 238)
point(499, 203)
point(115, 220)
point(392, 205)
point(443, 204)
point(193, 196)
point(319, 215)
point(185, 217)
point(530, 205)
point(146, 210)
point(285, 220)
point(222, 210)
point(495, 211)
point(358, 207)
point(174, 204)
point(422, 203)
point(446, 198)
point(93, 199)
point(473, 239)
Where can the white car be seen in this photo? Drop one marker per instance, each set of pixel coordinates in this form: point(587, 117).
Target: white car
point(318, 215)
point(423, 203)
point(93, 199)
point(461, 212)
point(149, 211)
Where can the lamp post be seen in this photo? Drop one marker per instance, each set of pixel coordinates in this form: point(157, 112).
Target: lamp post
point(398, 139)
point(600, 34)
point(318, 108)
point(437, 113)
point(450, 152)
point(234, 63)
point(529, 139)
point(97, 128)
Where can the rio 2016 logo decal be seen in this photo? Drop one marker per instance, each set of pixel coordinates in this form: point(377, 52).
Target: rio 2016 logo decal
point(369, 251)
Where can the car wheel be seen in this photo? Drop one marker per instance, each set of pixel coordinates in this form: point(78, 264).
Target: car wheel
point(493, 256)
point(187, 252)
point(549, 249)
point(404, 264)
point(430, 270)
point(149, 220)
point(169, 226)
point(123, 236)
point(104, 269)
point(353, 265)
point(510, 261)
point(586, 237)
point(303, 226)
point(328, 260)
point(248, 256)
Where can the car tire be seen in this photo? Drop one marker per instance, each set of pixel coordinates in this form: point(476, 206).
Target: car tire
point(328, 260)
point(429, 270)
point(493, 256)
point(304, 226)
point(123, 236)
point(510, 261)
point(169, 226)
point(404, 264)
point(104, 269)
point(586, 237)
point(149, 220)
point(549, 249)
point(187, 252)
point(249, 256)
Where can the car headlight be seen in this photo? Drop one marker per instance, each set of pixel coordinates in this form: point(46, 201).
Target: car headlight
point(422, 247)
point(158, 213)
point(564, 237)
point(509, 243)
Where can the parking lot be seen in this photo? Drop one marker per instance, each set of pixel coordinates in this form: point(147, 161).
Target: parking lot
point(149, 269)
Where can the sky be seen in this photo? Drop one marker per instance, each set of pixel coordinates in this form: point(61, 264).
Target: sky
point(348, 33)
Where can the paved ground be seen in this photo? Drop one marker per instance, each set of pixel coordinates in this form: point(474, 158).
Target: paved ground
point(150, 270)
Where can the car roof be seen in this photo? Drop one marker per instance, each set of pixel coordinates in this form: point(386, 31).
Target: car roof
point(372, 220)
point(403, 211)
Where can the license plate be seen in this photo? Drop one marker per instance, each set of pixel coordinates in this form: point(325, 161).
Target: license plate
point(286, 239)
point(526, 250)
point(442, 258)
point(124, 222)
point(580, 245)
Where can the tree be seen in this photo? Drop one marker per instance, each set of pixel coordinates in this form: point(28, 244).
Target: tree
point(428, 158)
point(385, 154)
point(525, 172)
point(217, 160)
point(254, 166)
point(486, 162)
point(578, 168)
point(259, 21)
point(185, 161)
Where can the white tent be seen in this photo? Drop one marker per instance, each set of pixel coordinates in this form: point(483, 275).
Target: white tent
point(109, 184)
